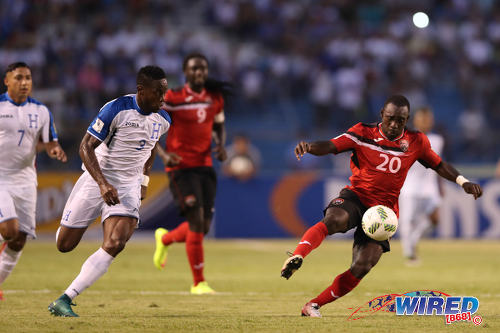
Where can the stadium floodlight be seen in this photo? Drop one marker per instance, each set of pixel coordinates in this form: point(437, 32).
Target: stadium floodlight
point(420, 20)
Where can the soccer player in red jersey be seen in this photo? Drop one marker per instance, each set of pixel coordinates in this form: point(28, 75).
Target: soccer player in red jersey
point(197, 112)
point(381, 156)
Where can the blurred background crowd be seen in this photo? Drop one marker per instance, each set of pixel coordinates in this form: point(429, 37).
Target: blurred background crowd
point(304, 69)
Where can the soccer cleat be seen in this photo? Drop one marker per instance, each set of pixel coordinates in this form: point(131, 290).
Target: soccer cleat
point(291, 265)
point(412, 261)
point(311, 310)
point(202, 288)
point(61, 307)
point(1, 295)
point(161, 251)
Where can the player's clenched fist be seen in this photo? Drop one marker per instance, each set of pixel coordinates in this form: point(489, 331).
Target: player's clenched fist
point(473, 189)
point(301, 148)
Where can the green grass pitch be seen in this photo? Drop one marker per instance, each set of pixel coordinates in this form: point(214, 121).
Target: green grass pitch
point(135, 297)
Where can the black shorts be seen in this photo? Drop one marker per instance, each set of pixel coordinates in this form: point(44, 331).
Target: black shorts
point(193, 188)
point(349, 201)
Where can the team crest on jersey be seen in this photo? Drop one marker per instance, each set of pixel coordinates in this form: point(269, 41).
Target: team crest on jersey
point(337, 201)
point(404, 145)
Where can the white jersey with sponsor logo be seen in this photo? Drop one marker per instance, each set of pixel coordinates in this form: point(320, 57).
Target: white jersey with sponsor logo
point(421, 181)
point(128, 136)
point(21, 127)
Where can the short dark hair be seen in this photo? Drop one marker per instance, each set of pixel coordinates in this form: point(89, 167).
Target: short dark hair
point(398, 100)
point(15, 65)
point(191, 56)
point(148, 73)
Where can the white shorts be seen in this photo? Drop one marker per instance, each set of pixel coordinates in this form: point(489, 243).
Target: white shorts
point(85, 203)
point(19, 203)
point(411, 208)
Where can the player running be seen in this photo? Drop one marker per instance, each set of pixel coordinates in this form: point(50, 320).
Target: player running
point(197, 111)
point(381, 156)
point(421, 194)
point(117, 154)
point(23, 122)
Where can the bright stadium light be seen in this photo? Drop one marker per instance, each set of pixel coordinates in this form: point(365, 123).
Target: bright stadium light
point(421, 20)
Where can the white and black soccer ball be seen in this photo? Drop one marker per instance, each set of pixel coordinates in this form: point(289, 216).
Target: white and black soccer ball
point(379, 222)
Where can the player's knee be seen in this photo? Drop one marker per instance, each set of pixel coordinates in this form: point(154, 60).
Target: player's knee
point(336, 223)
point(114, 245)
point(65, 245)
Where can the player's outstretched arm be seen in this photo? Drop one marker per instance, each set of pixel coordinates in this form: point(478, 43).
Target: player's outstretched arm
point(318, 148)
point(54, 150)
point(168, 159)
point(87, 154)
point(447, 171)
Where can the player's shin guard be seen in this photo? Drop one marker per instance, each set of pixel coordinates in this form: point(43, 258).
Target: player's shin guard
point(311, 239)
point(194, 249)
point(342, 284)
point(92, 269)
point(8, 260)
point(178, 235)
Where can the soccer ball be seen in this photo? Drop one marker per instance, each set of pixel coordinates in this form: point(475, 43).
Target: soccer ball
point(379, 222)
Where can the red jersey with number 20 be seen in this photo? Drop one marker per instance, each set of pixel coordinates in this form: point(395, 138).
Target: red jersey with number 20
point(379, 165)
point(190, 135)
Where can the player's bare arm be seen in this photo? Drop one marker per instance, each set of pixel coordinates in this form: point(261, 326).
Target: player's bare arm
point(89, 159)
point(447, 171)
point(318, 148)
point(169, 159)
point(54, 150)
point(146, 170)
point(219, 131)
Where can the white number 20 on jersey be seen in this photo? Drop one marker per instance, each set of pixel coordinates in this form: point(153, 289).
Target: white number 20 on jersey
point(394, 163)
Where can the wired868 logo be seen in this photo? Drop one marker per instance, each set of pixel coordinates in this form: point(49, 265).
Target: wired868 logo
point(454, 308)
point(423, 302)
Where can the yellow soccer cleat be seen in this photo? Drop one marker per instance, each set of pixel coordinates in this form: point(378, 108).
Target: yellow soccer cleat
point(161, 251)
point(202, 288)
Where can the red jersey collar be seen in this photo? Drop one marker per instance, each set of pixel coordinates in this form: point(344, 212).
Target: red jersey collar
point(194, 93)
point(383, 135)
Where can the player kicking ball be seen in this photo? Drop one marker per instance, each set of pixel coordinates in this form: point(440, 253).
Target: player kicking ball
point(117, 156)
point(381, 156)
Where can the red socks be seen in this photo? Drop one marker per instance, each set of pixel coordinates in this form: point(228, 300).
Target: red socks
point(342, 284)
point(311, 239)
point(177, 235)
point(194, 249)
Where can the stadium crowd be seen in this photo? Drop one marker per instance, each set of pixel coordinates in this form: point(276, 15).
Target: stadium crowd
point(314, 67)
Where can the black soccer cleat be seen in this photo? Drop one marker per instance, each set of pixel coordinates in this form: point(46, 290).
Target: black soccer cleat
point(291, 265)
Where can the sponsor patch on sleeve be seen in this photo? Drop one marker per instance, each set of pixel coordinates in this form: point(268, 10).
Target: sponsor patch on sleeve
point(98, 125)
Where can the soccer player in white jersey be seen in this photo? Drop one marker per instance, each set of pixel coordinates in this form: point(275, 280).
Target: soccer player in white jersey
point(421, 194)
point(117, 154)
point(23, 122)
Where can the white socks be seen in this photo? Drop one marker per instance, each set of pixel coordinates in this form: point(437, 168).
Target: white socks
point(8, 260)
point(92, 269)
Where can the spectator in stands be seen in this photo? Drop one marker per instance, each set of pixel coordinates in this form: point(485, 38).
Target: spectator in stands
point(243, 159)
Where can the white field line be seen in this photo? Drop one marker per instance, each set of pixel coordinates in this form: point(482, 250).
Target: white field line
point(145, 292)
point(166, 293)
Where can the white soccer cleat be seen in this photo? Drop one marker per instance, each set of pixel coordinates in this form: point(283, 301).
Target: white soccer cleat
point(311, 310)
